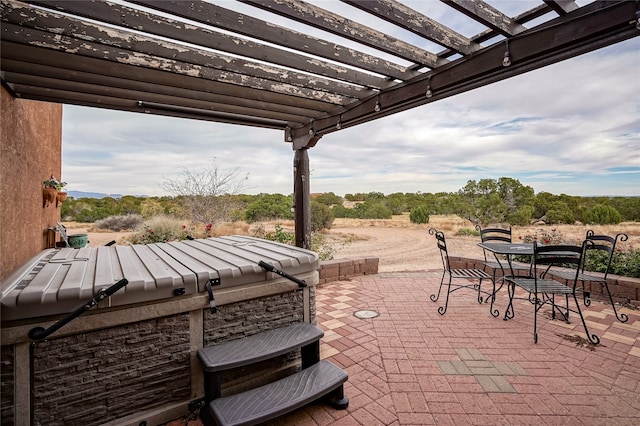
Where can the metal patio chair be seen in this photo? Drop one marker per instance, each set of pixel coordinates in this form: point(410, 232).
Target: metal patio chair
point(465, 277)
point(543, 291)
point(491, 260)
point(607, 245)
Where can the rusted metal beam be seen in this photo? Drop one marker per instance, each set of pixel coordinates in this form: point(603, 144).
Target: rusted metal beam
point(335, 24)
point(219, 17)
point(411, 20)
point(487, 15)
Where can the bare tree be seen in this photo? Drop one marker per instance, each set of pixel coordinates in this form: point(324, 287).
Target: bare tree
point(206, 195)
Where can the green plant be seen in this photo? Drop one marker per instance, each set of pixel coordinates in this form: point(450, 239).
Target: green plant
point(468, 232)
point(601, 214)
point(321, 216)
point(281, 236)
point(52, 182)
point(420, 214)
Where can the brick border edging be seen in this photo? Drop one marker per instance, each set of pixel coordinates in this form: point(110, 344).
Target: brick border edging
point(342, 269)
point(624, 290)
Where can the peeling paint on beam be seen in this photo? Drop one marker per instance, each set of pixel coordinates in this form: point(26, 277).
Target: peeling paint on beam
point(236, 70)
point(226, 19)
point(140, 75)
point(487, 15)
point(339, 25)
point(411, 20)
point(126, 17)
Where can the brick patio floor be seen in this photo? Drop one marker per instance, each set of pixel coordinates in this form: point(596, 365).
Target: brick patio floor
point(412, 366)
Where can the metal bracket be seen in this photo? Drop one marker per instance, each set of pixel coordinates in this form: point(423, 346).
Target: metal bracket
point(212, 302)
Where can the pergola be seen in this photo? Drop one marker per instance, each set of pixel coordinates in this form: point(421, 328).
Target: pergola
point(209, 61)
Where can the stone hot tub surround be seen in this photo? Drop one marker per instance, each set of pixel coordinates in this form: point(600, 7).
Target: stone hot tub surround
point(133, 357)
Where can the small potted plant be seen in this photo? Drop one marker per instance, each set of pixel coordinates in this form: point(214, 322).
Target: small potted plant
point(51, 191)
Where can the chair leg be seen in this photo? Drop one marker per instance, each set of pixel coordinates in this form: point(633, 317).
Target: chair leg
point(535, 318)
point(593, 339)
point(511, 290)
point(443, 309)
point(620, 317)
point(435, 297)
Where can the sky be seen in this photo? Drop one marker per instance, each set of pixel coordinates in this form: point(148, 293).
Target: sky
point(569, 128)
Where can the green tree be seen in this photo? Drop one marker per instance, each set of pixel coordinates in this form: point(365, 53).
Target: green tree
point(396, 203)
point(601, 214)
point(559, 212)
point(372, 210)
point(328, 198)
point(321, 216)
point(150, 208)
point(269, 207)
point(420, 214)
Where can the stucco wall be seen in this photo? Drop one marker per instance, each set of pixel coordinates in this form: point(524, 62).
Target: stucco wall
point(30, 152)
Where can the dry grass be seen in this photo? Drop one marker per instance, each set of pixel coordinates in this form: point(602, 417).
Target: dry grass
point(451, 225)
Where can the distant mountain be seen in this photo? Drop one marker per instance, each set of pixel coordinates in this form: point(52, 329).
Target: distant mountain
point(82, 194)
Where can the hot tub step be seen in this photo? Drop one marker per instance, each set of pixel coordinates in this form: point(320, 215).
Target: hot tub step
point(283, 396)
point(258, 347)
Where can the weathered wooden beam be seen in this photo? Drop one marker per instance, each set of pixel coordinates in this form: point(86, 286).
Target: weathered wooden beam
point(87, 38)
point(411, 20)
point(339, 25)
point(149, 93)
point(584, 30)
point(136, 19)
point(302, 198)
point(83, 99)
point(487, 15)
point(75, 65)
point(222, 18)
point(561, 7)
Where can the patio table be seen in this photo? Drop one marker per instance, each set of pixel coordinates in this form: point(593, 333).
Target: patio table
point(508, 250)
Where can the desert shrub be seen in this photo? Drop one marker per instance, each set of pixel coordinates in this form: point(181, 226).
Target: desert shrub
point(150, 208)
point(559, 212)
point(374, 209)
point(601, 214)
point(468, 232)
point(321, 216)
point(119, 223)
point(623, 263)
point(281, 236)
point(420, 214)
point(319, 242)
point(160, 229)
point(320, 245)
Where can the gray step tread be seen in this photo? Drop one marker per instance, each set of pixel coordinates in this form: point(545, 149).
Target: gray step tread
point(258, 347)
point(277, 398)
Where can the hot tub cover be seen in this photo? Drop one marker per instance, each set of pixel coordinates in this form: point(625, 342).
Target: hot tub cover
point(59, 280)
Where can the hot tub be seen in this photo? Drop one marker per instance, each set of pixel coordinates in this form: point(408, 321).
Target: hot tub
point(58, 280)
point(132, 359)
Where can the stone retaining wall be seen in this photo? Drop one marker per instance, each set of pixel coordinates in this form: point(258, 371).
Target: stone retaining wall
point(624, 290)
point(342, 269)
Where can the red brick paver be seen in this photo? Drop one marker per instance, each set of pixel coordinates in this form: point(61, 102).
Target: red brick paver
point(412, 366)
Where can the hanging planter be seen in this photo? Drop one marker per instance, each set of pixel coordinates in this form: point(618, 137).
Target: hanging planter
point(50, 191)
point(60, 197)
point(49, 195)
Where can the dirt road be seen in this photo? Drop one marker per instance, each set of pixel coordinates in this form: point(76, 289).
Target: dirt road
point(400, 249)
